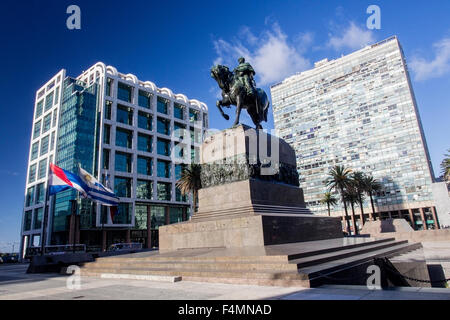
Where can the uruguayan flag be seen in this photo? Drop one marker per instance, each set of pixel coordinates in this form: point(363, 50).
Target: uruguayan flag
point(96, 191)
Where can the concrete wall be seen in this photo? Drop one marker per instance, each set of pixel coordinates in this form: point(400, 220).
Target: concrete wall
point(417, 236)
point(442, 200)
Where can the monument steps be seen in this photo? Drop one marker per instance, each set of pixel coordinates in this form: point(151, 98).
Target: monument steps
point(318, 260)
point(342, 254)
point(317, 272)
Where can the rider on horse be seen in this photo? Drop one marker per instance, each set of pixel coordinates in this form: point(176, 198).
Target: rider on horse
point(245, 72)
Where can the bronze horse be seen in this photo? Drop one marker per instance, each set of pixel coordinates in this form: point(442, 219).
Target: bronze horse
point(234, 93)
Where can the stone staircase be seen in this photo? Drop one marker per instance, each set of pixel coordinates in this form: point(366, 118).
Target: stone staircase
point(305, 264)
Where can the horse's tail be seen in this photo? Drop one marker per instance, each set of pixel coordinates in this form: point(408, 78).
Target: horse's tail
point(263, 102)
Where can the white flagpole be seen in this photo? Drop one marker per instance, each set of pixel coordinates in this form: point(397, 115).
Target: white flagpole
point(44, 223)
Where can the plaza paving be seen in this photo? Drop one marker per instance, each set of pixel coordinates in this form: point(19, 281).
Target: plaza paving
point(16, 284)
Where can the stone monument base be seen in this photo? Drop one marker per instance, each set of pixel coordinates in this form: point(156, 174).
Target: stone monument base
point(250, 197)
point(248, 231)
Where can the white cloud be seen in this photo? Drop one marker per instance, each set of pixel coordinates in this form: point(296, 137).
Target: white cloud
point(353, 37)
point(435, 68)
point(272, 55)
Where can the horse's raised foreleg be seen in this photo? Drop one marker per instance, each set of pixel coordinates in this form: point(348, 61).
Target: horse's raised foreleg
point(219, 106)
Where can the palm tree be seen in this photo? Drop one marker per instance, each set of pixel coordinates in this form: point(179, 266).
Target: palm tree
point(370, 186)
point(190, 181)
point(329, 200)
point(359, 185)
point(445, 166)
point(351, 196)
point(339, 179)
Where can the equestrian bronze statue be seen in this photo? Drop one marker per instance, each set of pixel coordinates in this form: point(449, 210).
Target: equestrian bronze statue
point(239, 89)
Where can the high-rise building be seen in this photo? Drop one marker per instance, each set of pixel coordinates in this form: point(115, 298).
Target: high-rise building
point(133, 136)
point(359, 111)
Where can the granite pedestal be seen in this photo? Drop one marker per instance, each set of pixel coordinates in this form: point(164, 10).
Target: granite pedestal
point(250, 197)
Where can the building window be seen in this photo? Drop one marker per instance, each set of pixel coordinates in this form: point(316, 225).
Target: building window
point(163, 147)
point(52, 141)
point(39, 107)
point(55, 118)
point(144, 166)
point(179, 196)
point(158, 216)
point(124, 92)
point(175, 214)
point(123, 215)
point(195, 135)
point(122, 187)
point(108, 107)
point(37, 129)
point(144, 121)
point(144, 189)
point(124, 115)
point(123, 162)
point(48, 101)
point(179, 150)
point(27, 221)
point(144, 99)
point(178, 130)
point(42, 169)
point(44, 145)
point(140, 217)
point(56, 95)
point(40, 193)
point(106, 153)
point(29, 199)
point(163, 168)
point(109, 83)
point(34, 150)
point(38, 214)
point(124, 138)
point(32, 173)
point(193, 115)
point(144, 142)
point(164, 191)
point(195, 155)
point(47, 123)
point(178, 111)
point(178, 170)
point(163, 126)
point(106, 134)
point(162, 105)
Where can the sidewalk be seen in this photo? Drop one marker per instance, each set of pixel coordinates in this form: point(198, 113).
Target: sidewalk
point(16, 284)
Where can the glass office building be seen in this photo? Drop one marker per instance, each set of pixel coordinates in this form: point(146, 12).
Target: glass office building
point(359, 111)
point(133, 136)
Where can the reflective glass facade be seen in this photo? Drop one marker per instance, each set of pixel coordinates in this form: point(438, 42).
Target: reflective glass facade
point(117, 128)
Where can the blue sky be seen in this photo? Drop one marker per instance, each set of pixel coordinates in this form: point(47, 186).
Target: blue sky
point(174, 43)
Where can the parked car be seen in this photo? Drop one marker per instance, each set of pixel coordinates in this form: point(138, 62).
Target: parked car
point(10, 258)
point(1, 260)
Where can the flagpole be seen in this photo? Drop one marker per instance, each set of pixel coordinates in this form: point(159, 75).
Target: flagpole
point(44, 223)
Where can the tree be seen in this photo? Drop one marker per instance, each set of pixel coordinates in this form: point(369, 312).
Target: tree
point(329, 200)
point(339, 179)
point(370, 186)
point(359, 184)
point(351, 196)
point(190, 181)
point(445, 166)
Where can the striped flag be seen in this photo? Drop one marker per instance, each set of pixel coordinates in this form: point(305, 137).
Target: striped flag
point(96, 191)
point(60, 180)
